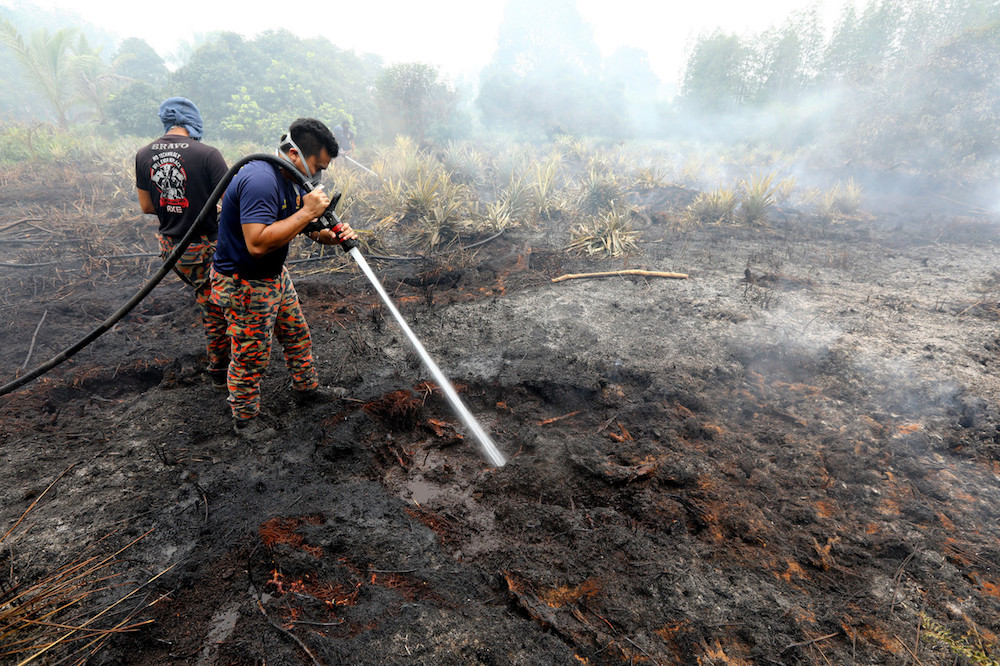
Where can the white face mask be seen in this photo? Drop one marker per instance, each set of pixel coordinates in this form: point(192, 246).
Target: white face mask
point(312, 178)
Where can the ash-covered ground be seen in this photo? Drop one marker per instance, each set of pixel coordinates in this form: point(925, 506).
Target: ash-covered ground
point(790, 457)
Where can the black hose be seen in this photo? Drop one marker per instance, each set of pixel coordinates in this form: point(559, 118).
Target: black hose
point(168, 264)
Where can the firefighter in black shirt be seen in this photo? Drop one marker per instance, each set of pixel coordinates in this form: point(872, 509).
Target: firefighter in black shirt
point(175, 176)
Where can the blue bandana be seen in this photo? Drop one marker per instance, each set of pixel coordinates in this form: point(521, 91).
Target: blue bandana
point(181, 112)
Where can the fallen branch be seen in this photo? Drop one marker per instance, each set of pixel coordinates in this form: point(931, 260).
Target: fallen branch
point(577, 276)
point(810, 642)
point(906, 647)
point(21, 221)
point(37, 500)
point(482, 242)
point(287, 633)
point(557, 418)
point(969, 308)
point(31, 347)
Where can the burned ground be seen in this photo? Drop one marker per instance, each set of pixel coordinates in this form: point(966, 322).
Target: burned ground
point(790, 457)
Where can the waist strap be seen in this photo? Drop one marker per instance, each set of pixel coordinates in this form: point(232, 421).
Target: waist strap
point(237, 276)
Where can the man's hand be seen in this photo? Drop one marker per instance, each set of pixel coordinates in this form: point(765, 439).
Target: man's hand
point(315, 202)
point(327, 237)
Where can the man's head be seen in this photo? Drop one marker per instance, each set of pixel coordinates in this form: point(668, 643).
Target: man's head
point(312, 145)
point(312, 136)
point(181, 112)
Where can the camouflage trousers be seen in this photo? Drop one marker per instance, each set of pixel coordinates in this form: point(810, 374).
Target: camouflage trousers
point(193, 268)
point(255, 310)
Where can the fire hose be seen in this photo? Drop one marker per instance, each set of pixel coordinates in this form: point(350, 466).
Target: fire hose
point(362, 166)
point(328, 220)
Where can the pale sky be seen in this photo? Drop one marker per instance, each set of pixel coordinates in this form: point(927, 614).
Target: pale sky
point(459, 36)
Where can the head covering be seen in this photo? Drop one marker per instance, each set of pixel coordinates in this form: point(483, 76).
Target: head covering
point(181, 112)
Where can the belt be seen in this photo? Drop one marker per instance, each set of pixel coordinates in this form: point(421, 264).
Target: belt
point(205, 238)
point(236, 276)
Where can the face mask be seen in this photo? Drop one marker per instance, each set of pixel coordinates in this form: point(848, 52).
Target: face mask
point(312, 178)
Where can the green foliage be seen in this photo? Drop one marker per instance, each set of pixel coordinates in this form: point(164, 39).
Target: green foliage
point(787, 58)
point(252, 90)
point(94, 79)
point(970, 646)
point(248, 115)
point(413, 99)
point(546, 75)
point(18, 143)
point(132, 109)
point(908, 85)
point(136, 60)
point(941, 115)
point(47, 61)
point(714, 77)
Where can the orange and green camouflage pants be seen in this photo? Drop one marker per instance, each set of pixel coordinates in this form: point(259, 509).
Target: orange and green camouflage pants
point(256, 309)
point(193, 268)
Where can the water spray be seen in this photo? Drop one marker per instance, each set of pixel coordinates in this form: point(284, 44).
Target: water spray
point(330, 220)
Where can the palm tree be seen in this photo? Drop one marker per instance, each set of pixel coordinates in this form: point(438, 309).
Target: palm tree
point(95, 80)
point(48, 62)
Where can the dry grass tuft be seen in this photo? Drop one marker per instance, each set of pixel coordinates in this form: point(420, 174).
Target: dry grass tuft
point(757, 197)
point(610, 234)
point(715, 207)
point(71, 611)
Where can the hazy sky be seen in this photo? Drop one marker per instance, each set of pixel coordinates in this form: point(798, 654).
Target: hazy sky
point(459, 36)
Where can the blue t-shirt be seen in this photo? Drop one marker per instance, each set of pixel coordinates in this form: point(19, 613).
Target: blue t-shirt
point(258, 194)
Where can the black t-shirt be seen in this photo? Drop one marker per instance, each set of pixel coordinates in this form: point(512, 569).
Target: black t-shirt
point(180, 174)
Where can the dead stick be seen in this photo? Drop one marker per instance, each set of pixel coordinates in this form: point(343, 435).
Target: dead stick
point(31, 347)
point(907, 648)
point(557, 418)
point(21, 221)
point(815, 640)
point(577, 276)
point(968, 308)
point(287, 633)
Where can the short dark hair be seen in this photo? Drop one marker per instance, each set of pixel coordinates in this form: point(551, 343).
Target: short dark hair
point(312, 136)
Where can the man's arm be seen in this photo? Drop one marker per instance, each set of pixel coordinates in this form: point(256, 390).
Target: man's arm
point(264, 238)
point(146, 202)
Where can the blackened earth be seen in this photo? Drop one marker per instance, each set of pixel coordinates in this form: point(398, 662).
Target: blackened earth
point(790, 457)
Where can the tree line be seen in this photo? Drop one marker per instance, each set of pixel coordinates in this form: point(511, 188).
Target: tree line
point(896, 82)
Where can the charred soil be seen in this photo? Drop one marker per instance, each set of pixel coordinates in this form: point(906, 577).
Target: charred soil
point(790, 457)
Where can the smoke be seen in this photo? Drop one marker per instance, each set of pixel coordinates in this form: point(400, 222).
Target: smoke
point(788, 339)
